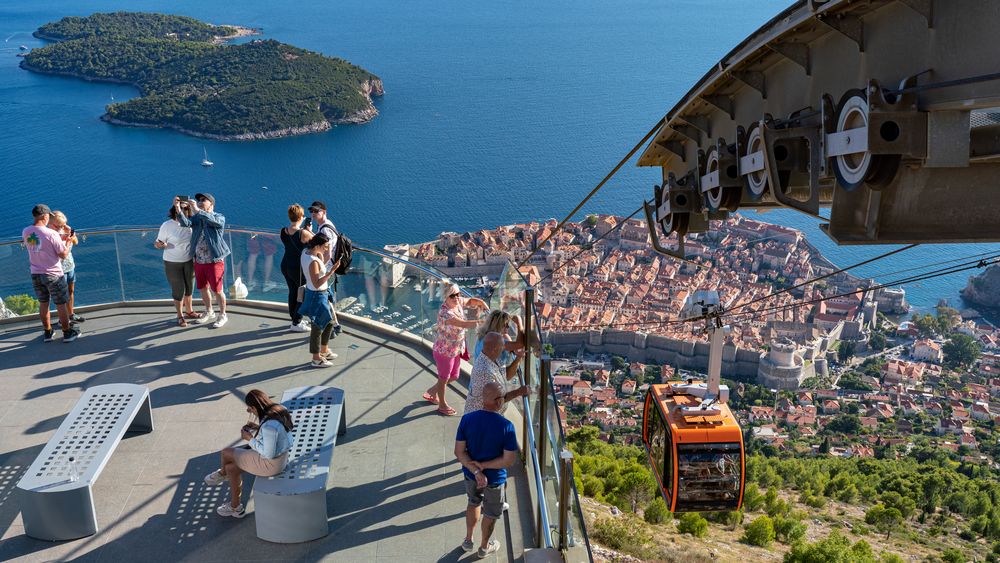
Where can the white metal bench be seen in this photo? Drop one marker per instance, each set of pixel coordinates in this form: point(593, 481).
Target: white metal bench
point(55, 507)
point(291, 506)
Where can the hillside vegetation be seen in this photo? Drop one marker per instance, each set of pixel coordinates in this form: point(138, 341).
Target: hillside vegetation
point(189, 82)
point(922, 503)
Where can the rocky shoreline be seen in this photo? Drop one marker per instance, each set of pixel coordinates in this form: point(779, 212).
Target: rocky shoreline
point(983, 290)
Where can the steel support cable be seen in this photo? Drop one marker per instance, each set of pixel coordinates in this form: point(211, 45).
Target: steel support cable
point(823, 277)
point(947, 83)
point(599, 239)
point(595, 190)
point(917, 278)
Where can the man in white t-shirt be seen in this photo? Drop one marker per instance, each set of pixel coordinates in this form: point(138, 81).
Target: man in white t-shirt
point(317, 210)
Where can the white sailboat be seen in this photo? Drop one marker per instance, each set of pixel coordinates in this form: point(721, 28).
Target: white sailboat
point(205, 161)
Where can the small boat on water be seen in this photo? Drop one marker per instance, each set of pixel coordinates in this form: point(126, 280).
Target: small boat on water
point(205, 161)
point(23, 47)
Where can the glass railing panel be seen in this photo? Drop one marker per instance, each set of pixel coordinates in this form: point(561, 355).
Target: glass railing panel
point(98, 271)
point(256, 260)
point(15, 278)
point(141, 265)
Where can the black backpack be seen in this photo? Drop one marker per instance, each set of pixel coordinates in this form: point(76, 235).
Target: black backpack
point(344, 252)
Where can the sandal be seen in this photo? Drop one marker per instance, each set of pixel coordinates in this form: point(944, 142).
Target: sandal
point(447, 412)
point(430, 398)
point(181, 321)
point(192, 315)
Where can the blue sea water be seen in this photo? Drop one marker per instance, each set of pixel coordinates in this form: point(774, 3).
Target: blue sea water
point(494, 113)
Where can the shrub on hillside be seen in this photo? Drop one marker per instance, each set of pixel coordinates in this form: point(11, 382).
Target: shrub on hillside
point(692, 523)
point(789, 530)
point(760, 532)
point(656, 511)
point(625, 534)
point(21, 304)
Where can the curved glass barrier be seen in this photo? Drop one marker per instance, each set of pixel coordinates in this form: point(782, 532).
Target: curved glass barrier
point(120, 264)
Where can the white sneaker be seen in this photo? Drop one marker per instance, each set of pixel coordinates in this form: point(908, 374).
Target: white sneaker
point(330, 355)
point(270, 286)
point(226, 510)
point(301, 327)
point(205, 318)
point(221, 321)
point(214, 478)
point(320, 364)
point(251, 285)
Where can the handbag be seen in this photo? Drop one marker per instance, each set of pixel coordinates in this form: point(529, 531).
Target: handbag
point(300, 296)
point(465, 354)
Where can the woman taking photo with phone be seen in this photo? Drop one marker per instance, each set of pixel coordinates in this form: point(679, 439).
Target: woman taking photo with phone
point(265, 455)
point(449, 348)
point(175, 242)
point(294, 238)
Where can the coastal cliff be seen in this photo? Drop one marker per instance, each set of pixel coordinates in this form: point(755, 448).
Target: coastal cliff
point(983, 290)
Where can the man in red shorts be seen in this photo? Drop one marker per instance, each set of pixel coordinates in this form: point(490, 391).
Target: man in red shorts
point(209, 250)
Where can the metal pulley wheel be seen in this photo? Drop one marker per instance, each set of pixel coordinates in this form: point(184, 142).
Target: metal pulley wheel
point(854, 169)
point(756, 181)
point(676, 222)
point(721, 197)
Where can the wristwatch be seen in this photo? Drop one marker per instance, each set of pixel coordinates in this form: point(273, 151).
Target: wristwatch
point(476, 472)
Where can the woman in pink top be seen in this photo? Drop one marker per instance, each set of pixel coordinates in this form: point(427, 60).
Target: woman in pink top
point(450, 344)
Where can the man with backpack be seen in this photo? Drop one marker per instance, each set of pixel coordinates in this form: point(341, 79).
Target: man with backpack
point(340, 248)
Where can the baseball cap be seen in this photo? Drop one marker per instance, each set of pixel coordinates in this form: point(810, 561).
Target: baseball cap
point(209, 197)
point(317, 206)
point(41, 209)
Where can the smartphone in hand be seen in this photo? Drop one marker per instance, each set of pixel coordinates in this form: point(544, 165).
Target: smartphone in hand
point(307, 224)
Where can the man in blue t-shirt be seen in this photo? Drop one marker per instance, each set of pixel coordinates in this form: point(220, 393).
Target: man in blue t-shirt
point(486, 445)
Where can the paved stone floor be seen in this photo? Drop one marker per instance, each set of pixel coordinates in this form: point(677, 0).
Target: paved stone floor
point(395, 492)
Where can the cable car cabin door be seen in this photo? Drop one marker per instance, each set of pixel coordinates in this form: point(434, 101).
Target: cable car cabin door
point(656, 436)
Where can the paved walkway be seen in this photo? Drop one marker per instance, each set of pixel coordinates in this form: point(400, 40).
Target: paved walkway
point(395, 494)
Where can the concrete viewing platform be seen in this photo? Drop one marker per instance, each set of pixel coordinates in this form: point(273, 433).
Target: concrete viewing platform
point(396, 489)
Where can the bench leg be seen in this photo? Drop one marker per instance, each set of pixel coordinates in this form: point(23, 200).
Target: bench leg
point(343, 419)
point(143, 421)
point(58, 515)
point(291, 518)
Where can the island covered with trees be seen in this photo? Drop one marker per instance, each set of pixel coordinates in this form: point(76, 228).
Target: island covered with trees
point(190, 80)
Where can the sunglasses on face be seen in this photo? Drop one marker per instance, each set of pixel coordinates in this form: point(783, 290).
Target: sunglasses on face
point(453, 296)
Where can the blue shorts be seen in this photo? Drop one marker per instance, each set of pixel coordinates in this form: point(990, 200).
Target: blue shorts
point(70, 277)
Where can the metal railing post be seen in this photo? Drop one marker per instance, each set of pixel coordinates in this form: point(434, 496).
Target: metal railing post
point(529, 299)
point(566, 477)
point(542, 439)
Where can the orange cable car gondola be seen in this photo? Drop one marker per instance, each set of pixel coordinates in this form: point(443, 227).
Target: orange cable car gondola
point(694, 442)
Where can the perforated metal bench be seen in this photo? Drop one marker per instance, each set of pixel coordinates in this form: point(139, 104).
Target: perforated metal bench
point(291, 506)
point(53, 506)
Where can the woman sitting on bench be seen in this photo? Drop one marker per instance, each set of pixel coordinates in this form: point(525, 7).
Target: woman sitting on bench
point(265, 455)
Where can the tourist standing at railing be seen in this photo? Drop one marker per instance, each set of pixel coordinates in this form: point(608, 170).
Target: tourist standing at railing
point(317, 303)
point(46, 250)
point(488, 367)
point(294, 238)
point(209, 250)
point(58, 223)
point(449, 348)
point(175, 242)
point(325, 226)
point(504, 323)
point(268, 439)
point(485, 445)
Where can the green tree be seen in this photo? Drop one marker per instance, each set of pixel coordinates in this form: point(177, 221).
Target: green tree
point(618, 362)
point(883, 519)
point(846, 350)
point(877, 342)
point(835, 548)
point(947, 319)
point(925, 324)
point(624, 534)
point(636, 489)
point(760, 532)
point(753, 500)
point(905, 505)
point(961, 351)
point(952, 555)
point(656, 511)
point(21, 304)
point(693, 523)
